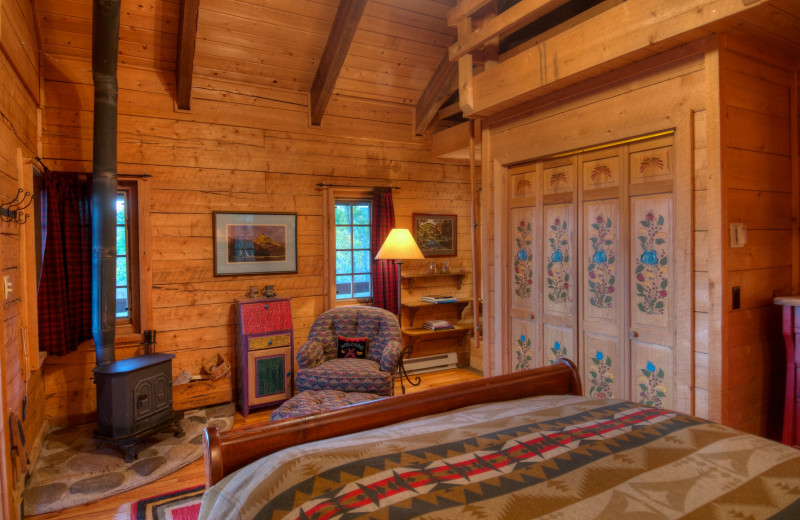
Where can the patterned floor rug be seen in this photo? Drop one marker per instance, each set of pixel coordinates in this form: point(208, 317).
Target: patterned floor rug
point(73, 470)
point(178, 505)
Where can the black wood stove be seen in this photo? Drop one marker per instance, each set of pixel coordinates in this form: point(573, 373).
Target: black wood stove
point(134, 401)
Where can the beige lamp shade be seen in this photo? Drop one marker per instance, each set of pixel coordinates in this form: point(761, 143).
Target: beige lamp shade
point(399, 245)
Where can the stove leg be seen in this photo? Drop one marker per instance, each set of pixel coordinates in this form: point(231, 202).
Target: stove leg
point(179, 432)
point(130, 454)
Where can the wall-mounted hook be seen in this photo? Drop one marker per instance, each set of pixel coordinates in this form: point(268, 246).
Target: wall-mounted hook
point(12, 211)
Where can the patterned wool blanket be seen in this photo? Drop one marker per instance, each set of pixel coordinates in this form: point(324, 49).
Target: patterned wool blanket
point(542, 457)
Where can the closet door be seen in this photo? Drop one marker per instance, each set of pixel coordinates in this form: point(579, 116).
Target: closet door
point(603, 255)
point(558, 272)
point(652, 261)
point(523, 266)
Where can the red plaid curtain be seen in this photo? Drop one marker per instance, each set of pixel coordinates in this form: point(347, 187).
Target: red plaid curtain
point(384, 272)
point(65, 290)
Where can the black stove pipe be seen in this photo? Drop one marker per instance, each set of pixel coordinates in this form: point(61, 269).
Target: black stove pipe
point(105, 46)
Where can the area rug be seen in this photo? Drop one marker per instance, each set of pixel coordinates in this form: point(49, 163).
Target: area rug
point(73, 470)
point(178, 505)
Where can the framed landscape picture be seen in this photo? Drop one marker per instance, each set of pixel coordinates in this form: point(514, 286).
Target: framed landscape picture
point(254, 243)
point(436, 235)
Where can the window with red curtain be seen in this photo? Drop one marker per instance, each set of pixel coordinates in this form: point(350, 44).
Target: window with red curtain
point(65, 288)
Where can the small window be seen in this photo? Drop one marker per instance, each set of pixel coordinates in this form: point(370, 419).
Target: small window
point(123, 286)
point(353, 219)
point(126, 285)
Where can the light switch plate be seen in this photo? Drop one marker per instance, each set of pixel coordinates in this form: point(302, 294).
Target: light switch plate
point(7, 287)
point(738, 234)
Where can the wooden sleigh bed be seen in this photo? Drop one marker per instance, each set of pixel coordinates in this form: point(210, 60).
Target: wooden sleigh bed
point(523, 445)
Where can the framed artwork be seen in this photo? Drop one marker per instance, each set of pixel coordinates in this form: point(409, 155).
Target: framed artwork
point(254, 243)
point(436, 235)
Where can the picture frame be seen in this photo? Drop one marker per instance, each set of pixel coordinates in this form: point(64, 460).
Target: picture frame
point(247, 243)
point(436, 235)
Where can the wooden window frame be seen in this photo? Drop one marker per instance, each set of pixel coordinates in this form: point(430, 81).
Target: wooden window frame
point(330, 196)
point(129, 330)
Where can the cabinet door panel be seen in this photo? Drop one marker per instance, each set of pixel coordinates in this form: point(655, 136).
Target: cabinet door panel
point(269, 377)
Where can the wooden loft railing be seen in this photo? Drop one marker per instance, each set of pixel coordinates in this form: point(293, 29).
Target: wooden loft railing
point(606, 37)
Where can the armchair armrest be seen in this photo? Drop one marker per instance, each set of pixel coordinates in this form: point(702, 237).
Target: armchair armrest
point(310, 355)
point(391, 355)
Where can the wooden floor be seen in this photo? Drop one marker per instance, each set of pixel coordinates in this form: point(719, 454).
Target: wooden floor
point(193, 474)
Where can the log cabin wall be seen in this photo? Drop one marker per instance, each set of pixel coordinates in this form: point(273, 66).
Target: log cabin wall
point(22, 390)
point(239, 148)
point(758, 134)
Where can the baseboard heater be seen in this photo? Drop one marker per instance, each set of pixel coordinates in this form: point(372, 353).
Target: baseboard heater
point(420, 365)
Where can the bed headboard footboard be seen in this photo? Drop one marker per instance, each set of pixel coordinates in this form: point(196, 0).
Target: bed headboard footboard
point(225, 452)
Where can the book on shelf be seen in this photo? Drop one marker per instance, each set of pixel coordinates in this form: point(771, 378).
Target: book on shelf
point(437, 325)
point(439, 298)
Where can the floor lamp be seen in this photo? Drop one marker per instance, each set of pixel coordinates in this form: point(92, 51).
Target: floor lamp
point(398, 246)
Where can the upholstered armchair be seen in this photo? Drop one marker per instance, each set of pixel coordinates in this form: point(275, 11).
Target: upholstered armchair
point(321, 369)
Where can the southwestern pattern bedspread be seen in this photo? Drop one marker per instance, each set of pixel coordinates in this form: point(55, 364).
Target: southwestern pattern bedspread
point(542, 457)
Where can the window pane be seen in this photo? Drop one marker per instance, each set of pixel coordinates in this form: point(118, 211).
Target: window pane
point(361, 237)
point(361, 286)
point(120, 209)
point(122, 302)
point(344, 287)
point(343, 240)
point(361, 214)
point(121, 241)
point(122, 271)
point(344, 262)
point(361, 261)
point(342, 214)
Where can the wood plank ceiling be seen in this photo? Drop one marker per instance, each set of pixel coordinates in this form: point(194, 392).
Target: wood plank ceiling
point(395, 50)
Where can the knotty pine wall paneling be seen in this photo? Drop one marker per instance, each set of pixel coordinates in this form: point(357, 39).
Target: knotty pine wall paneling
point(20, 378)
point(240, 148)
point(758, 151)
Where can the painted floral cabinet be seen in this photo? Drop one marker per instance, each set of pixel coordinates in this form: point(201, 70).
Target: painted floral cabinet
point(591, 264)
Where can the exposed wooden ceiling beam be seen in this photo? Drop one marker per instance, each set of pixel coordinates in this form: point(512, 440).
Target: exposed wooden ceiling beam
point(443, 83)
point(184, 65)
point(344, 28)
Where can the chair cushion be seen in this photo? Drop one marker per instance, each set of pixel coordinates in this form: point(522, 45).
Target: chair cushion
point(347, 375)
point(352, 348)
point(311, 402)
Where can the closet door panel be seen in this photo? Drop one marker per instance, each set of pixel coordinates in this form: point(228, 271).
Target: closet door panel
point(651, 309)
point(603, 301)
point(525, 346)
point(651, 267)
point(653, 374)
point(558, 260)
point(559, 308)
point(604, 366)
point(558, 343)
point(526, 351)
point(601, 265)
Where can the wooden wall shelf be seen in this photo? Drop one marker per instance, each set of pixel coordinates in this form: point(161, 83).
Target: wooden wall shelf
point(409, 280)
point(412, 336)
point(413, 307)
